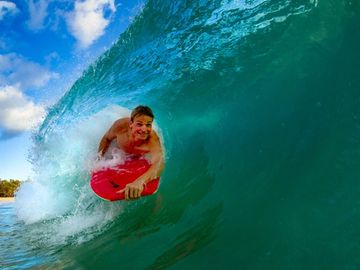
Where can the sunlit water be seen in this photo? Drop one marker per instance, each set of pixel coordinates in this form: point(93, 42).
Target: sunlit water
point(258, 104)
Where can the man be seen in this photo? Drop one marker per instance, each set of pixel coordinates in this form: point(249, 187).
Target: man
point(136, 137)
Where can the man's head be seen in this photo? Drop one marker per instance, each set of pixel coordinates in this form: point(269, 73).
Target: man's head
point(141, 123)
point(141, 110)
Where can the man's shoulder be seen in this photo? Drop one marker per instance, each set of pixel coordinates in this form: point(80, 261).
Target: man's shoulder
point(154, 135)
point(154, 138)
point(121, 124)
point(122, 121)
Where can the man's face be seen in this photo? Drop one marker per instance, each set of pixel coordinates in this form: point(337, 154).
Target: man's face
point(141, 127)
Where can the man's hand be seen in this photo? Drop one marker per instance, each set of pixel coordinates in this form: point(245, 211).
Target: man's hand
point(132, 190)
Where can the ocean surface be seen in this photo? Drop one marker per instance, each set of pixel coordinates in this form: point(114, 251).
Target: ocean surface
point(258, 106)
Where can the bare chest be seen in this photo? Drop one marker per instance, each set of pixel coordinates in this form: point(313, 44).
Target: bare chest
point(125, 144)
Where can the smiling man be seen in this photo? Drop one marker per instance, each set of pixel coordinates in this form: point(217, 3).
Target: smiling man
point(136, 138)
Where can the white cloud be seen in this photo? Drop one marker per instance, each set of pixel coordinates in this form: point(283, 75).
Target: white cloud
point(15, 69)
point(18, 113)
point(88, 21)
point(51, 57)
point(38, 13)
point(7, 7)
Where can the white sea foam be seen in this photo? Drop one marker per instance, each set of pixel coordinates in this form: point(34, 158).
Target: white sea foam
point(59, 195)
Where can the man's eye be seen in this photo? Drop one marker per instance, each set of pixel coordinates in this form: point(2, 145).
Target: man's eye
point(148, 125)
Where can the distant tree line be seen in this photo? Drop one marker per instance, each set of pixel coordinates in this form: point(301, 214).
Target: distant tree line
point(8, 187)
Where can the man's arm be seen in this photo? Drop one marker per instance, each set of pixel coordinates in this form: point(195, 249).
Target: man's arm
point(156, 161)
point(134, 189)
point(110, 135)
point(104, 143)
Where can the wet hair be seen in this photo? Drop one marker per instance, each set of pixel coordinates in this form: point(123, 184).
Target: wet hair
point(141, 110)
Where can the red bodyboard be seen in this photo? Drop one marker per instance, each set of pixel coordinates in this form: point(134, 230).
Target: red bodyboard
point(106, 182)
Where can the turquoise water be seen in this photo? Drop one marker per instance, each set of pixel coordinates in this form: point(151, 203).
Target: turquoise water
point(258, 106)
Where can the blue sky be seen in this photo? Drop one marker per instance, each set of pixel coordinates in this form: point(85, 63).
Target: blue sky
point(45, 45)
